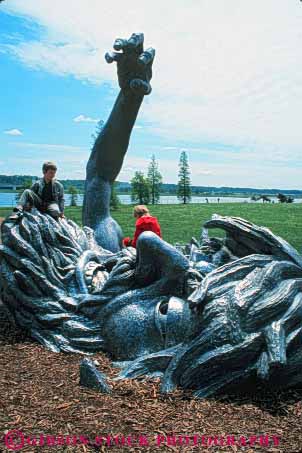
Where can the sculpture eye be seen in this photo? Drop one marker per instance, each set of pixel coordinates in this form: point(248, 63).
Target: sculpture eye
point(161, 317)
point(163, 307)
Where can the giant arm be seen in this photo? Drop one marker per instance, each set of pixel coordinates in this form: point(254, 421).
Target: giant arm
point(134, 66)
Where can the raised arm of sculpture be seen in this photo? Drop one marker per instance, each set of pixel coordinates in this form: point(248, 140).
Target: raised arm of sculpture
point(134, 69)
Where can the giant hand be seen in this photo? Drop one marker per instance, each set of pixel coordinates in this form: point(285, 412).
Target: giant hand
point(134, 65)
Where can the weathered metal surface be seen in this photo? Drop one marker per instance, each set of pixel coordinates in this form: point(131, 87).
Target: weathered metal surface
point(152, 309)
point(92, 378)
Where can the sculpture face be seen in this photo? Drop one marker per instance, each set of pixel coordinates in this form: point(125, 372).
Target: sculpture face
point(134, 329)
point(147, 325)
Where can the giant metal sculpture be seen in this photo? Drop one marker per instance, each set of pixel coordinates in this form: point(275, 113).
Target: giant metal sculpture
point(105, 162)
point(228, 311)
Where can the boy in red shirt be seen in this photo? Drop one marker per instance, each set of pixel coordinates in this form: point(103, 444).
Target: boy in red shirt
point(144, 222)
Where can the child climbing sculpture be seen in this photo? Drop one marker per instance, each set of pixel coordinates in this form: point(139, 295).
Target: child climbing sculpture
point(144, 222)
point(134, 69)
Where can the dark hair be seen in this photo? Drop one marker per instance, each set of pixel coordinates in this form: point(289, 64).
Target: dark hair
point(49, 166)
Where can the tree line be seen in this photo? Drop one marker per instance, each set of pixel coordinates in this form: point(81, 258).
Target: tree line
point(146, 189)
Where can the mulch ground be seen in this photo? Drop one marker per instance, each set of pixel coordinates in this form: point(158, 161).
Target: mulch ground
point(41, 395)
point(41, 398)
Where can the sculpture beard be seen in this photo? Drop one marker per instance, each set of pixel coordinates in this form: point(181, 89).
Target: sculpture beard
point(152, 309)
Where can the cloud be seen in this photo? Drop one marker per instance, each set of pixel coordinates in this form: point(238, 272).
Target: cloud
point(85, 119)
point(221, 73)
point(49, 147)
point(63, 60)
point(127, 169)
point(14, 132)
point(203, 173)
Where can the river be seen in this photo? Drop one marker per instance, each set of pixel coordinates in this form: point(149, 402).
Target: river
point(8, 199)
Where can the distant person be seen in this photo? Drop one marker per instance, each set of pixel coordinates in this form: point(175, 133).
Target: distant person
point(207, 200)
point(144, 222)
point(218, 200)
point(46, 194)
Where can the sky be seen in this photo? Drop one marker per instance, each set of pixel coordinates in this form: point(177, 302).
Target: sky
point(227, 87)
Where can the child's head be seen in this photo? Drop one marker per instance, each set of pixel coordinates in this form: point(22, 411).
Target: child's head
point(140, 210)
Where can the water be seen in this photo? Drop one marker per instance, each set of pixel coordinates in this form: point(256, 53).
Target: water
point(9, 199)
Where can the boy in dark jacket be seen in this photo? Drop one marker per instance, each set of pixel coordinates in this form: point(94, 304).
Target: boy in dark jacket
point(46, 194)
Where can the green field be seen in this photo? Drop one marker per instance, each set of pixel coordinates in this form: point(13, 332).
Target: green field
point(180, 222)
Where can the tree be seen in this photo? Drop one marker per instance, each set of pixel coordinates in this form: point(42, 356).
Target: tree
point(140, 189)
point(184, 182)
point(26, 185)
point(115, 202)
point(74, 196)
point(284, 199)
point(155, 180)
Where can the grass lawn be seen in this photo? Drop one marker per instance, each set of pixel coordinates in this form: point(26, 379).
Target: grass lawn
point(180, 222)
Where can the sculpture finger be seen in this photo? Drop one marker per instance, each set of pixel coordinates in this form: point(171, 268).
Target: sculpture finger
point(110, 57)
point(147, 57)
point(135, 42)
point(120, 44)
point(140, 87)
